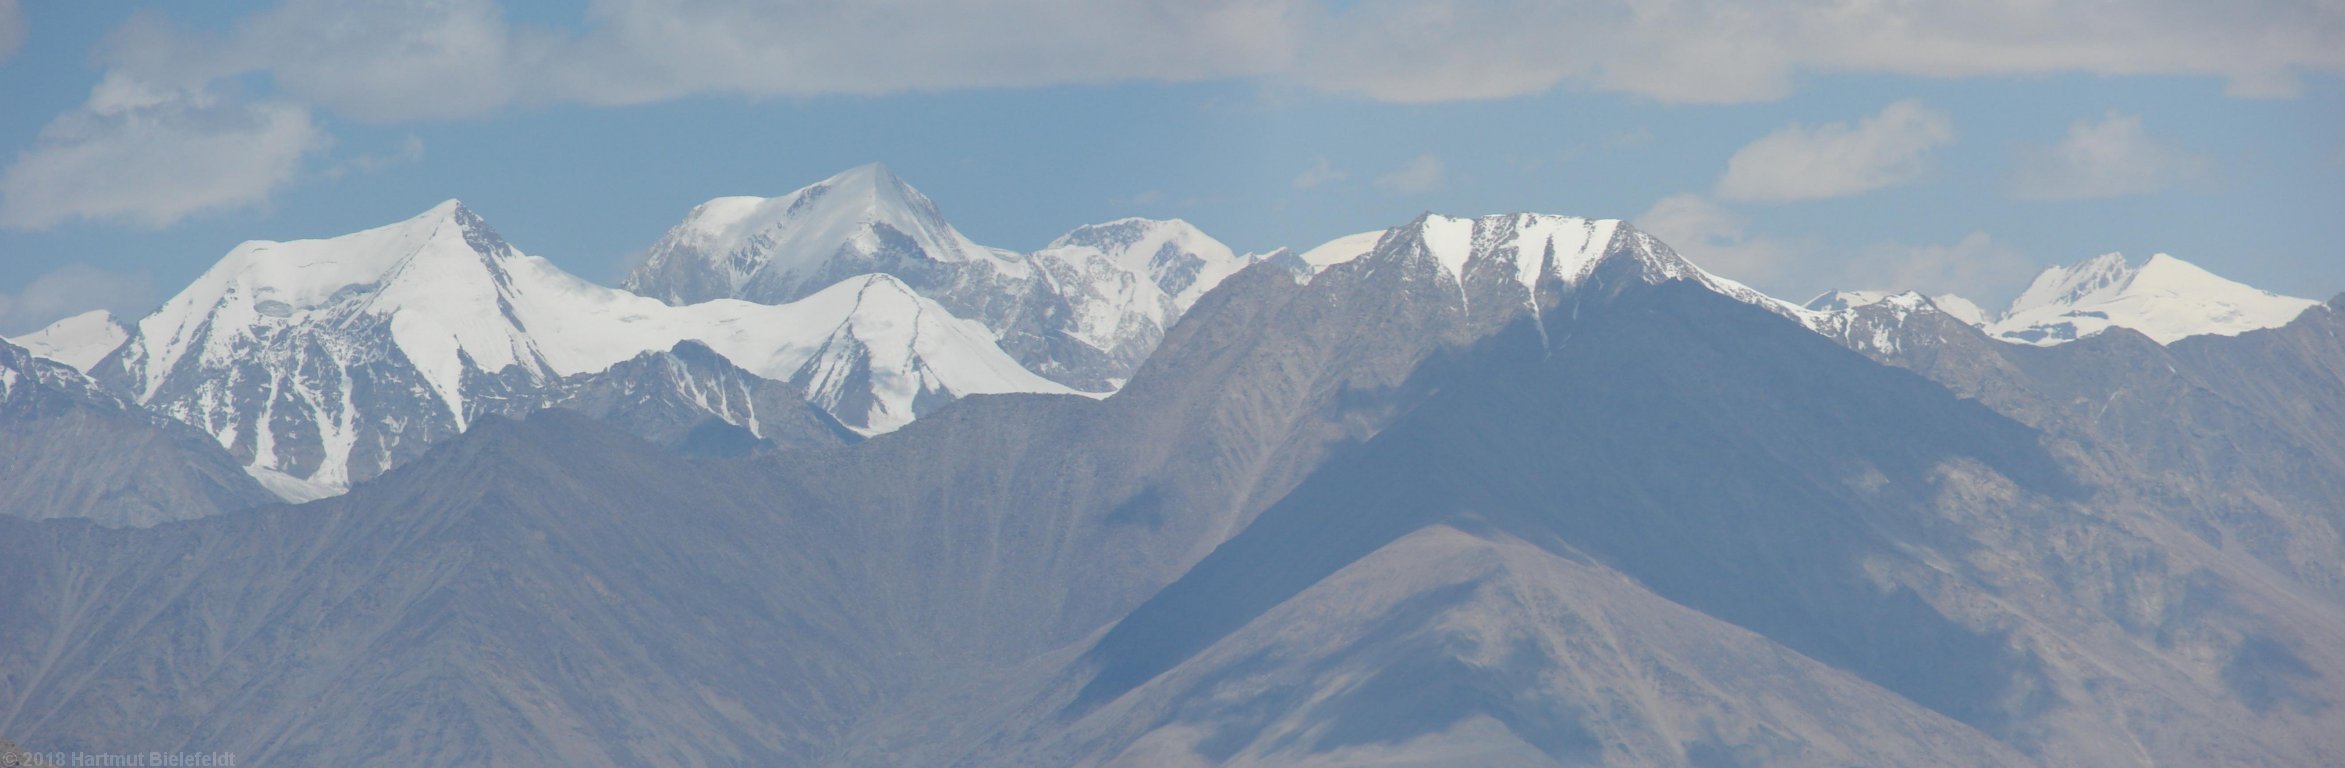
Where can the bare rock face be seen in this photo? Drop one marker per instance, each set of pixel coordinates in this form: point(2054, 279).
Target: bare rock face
point(2228, 436)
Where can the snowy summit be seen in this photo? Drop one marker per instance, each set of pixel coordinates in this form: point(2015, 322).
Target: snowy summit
point(2166, 299)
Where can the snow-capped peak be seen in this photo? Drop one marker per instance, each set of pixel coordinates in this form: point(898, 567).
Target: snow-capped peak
point(1842, 301)
point(1834, 301)
point(773, 250)
point(328, 361)
point(79, 341)
point(2165, 298)
point(1340, 250)
point(890, 354)
point(1525, 247)
point(437, 280)
point(1177, 257)
point(2074, 284)
point(1963, 309)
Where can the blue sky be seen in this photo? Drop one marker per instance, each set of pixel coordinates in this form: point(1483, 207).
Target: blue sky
point(1948, 149)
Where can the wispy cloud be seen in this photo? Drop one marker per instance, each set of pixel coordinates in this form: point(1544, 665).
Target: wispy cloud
point(71, 290)
point(1727, 50)
point(1798, 162)
point(1976, 267)
point(1724, 241)
point(305, 61)
point(152, 156)
point(409, 152)
point(2109, 157)
point(1320, 173)
point(11, 28)
point(1423, 173)
point(1719, 239)
point(400, 59)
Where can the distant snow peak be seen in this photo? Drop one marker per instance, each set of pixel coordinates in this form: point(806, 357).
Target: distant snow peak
point(79, 341)
point(1963, 309)
point(329, 361)
point(1905, 301)
point(775, 250)
point(2165, 298)
point(1834, 301)
point(1180, 260)
point(1871, 321)
point(1112, 290)
point(1522, 249)
point(1338, 251)
point(1083, 311)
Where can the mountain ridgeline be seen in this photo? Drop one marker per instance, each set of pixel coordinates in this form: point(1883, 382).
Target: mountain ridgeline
point(828, 484)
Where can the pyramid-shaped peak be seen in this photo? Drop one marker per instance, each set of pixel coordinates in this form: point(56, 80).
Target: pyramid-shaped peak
point(876, 171)
point(2168, 266)
point(776, 250)
point(874, 180)
point(2070, 284)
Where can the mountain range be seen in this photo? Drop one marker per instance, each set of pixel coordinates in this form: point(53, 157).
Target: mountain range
point(827, 484)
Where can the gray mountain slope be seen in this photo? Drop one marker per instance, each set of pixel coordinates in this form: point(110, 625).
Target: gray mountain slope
point(2239, 439)
point(536, 591)
point(1859, 518)
point(1008, 527)
point(1322, 493)
point(70, 449)
point(1446, 647)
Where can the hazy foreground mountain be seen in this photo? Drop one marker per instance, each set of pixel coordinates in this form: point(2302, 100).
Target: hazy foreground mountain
point(68, 448)
point(2165, 298)
point(1509, 490)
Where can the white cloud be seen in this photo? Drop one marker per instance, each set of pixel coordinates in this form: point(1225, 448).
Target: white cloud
point(1728, 50)
point(384, 60)
point(1837, 159)
point(1721, 240)
point(1976, 267)
point(71, 290)
point(426, 59)
point(409, 152)
point(1424, 173)
point(1718, 239)
point(2112, 157)
point(11, 28)
point(153, 156)
point(1320, 173)
point(398, 60)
